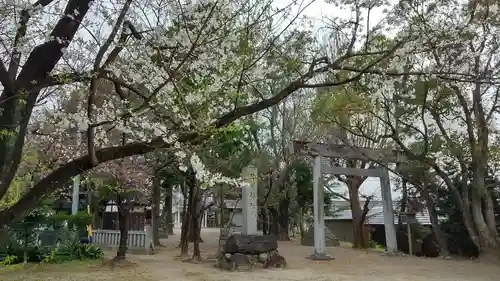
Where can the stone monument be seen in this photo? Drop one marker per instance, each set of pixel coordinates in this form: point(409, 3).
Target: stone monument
point(249, 201)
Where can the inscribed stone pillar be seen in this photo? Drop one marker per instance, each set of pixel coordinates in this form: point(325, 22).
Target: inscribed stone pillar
point(388, 211)
point(249, 201)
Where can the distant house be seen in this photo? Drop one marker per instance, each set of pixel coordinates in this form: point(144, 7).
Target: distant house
point(340, 222)
point(107, 218)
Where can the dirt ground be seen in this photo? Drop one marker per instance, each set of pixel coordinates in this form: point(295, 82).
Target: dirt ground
point(349, 265)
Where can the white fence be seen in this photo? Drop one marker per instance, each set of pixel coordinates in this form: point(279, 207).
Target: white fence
point(137, 239)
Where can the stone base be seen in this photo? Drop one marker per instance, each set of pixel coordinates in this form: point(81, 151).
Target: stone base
point(321, 257)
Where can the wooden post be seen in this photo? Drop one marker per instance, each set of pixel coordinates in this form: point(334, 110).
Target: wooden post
point(409, 218)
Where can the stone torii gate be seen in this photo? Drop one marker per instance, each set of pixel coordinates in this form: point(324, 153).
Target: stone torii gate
point(320, 150)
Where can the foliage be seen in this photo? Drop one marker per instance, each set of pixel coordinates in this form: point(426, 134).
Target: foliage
point(74, 251)
point(23, 244)
point(302, 180)
point(79, 221)
point(15, 253)
point(24, 229)
point(229, 151)
point(8, 260)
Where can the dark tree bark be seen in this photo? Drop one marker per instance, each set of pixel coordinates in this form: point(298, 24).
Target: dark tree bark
point(274, 219)
point(353, 183)
point(168, 211)
point(197, 209)
point(283, 218)
point(196, 231)
point(431, 207)
point(185, 229)
point(155, 210)
point(264, 221)
point(186, 221)
point(123, 223)
point(357, 213)
point(194, 234)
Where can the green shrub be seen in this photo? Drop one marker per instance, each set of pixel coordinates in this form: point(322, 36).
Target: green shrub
point(13, 252)
point(374, 245)
point(74, 251)
point(93, 252)
point(31, 252)
point(8, 260)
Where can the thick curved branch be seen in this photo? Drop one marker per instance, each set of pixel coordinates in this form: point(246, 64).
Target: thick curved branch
point(63, 175)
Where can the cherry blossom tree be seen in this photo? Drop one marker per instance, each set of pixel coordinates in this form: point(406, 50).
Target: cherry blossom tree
point(129, 182)
point(175, 71)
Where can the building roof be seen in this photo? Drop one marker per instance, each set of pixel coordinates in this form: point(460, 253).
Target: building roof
point(342, 211)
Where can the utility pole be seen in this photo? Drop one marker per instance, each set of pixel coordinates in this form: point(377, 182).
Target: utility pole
point(76, 180)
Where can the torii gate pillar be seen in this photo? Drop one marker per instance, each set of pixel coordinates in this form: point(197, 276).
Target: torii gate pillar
point(319, 250)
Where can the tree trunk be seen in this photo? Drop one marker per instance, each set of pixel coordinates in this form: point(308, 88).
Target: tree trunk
point(264, 221)
point(404, 201)
point(186, 227)
point(283, 218)
point(489, 247)
point(168, 211)
point(196, 231)
point(274, 219)
point(357, 220)
point(431, 207)
point(464, 205)
point(489, 212)
point(123, 224)
point(155, 209)
point(163, 222)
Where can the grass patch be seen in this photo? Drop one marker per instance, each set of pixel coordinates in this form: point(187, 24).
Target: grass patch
point(71, 271)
